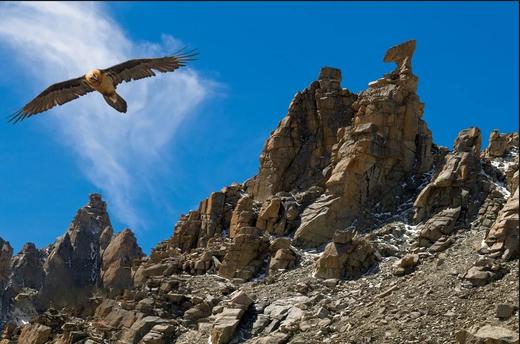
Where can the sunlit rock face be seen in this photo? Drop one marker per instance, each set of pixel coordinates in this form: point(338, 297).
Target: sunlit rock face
point(297, 153)
point(385, 143)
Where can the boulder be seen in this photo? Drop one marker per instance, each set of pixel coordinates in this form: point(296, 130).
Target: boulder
point(439, 225)
point(487, 334)
point(282, 260)
point(227, 321)
point(34, 334)
point(505, 310)
point(406, 264)
point(348, 260)
point(485, 271)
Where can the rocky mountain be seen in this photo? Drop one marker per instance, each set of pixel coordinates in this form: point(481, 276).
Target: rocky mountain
point(356, 229)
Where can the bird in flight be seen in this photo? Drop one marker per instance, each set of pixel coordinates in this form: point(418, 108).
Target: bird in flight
point(104, 81)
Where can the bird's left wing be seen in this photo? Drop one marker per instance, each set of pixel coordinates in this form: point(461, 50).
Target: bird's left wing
point(57, 94)
point(144, 68)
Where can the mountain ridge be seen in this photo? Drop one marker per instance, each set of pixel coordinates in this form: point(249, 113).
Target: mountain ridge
point(351, 192)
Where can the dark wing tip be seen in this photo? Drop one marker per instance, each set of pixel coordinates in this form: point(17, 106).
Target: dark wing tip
point(17, 116)
point(184, 55)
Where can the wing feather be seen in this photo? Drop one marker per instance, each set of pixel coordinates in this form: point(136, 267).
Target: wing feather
point(144, 68)
point(57, 94)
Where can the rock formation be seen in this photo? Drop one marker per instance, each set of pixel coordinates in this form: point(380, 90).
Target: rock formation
point(298, 151)
point(246, 254)
point(347, 256)
point(455, 194)
point(212, 219)
point(503, 237)
point(6, 252)
point(72, 269)
point(500, 144)
point(118, 258)
point(356, 229)
point(27, 268)
point(386, 142)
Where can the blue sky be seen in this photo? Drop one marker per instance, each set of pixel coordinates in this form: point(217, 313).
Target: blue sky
point(192, 132)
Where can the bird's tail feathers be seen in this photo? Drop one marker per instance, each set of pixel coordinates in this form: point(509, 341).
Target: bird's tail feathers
point(119, 104)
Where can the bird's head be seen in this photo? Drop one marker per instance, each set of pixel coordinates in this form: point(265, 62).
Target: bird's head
point(93, 76)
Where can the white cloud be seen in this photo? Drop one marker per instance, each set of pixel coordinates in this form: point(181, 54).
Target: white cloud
point(118, 153)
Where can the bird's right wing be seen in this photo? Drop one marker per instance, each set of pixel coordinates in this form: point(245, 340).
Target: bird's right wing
point(144, 68)
point(57, 94)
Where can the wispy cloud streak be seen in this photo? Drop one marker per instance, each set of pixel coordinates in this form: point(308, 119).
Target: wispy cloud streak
point(119, 154)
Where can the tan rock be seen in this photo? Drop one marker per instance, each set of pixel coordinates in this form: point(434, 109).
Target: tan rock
point(455, 194)
point(439, 225)
point(245, 255)
point(269, 215)
point(500, 144)
point(504, 235)
point(243, 215)
point(299, 149)
point(34, 334)
point(241, 299)
point(402, 55)
point(282, 260)
point(406, 264)
point(487, 334)
point(387, 142)
point(348, 260)
point(117, 261)
point(227, 321)
point(212, 219)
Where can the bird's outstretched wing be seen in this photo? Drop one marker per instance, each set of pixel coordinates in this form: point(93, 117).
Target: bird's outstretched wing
point(144, 68)
point(56, 94)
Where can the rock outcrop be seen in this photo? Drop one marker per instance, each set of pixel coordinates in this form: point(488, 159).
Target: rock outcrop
point(212, 219)
point(297, 152)
point(6, 253)
point(456, 193)
point(72, 270)
point(347, 256)
point(118, 258)
point(246, 255)
point(294, 254)
point(502, 240)
point(500, 144)
point(386, 143)
point(27, 268)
